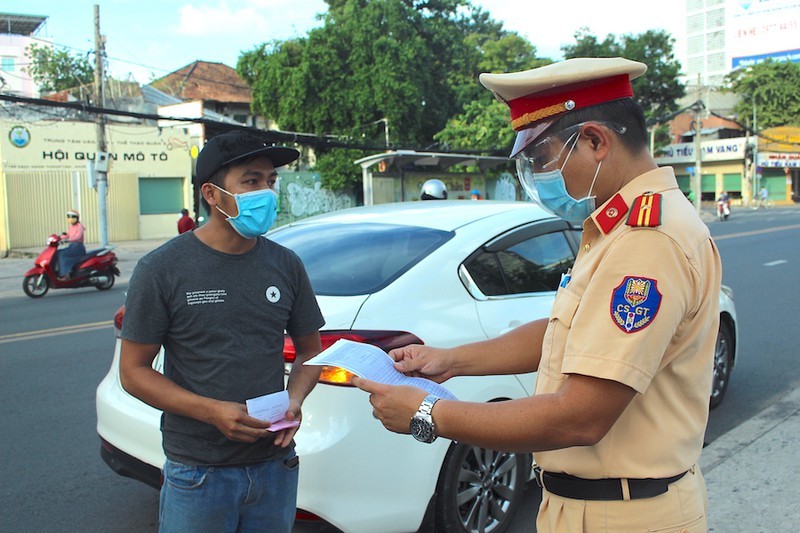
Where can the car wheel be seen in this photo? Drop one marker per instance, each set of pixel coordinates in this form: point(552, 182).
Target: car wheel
point(36, 285)
point(723, 364)
point(479, 490)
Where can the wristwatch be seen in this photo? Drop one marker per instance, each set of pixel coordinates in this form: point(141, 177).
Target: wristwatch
point(422, 427)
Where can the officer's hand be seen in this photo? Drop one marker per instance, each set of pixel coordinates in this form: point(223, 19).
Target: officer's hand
point(392, 405)
point(423, 361)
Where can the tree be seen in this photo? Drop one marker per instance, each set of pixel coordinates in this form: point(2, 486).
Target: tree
point(659, 90)
point(338, 171)
point(55, 69)
point(772, 88)
point(409, 63)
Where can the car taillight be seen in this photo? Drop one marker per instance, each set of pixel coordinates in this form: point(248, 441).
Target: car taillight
point(118, 317)
point(385, 340)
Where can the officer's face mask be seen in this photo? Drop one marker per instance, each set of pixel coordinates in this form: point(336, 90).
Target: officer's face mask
point(257, 212)
point(545, 185)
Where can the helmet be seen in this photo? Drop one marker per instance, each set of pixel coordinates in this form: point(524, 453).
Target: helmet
point(73, 213)
point(434, 190)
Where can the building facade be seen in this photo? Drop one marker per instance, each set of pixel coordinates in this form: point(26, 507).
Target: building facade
point(44, 172)
point(17, 33)
point(722, 35)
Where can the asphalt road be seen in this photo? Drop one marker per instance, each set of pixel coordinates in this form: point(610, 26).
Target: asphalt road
point(55, 350)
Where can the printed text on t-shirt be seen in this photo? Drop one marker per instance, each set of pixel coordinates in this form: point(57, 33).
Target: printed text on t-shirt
point(212, 296)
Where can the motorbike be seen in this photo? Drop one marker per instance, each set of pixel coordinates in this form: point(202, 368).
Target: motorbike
point(723, 209)
point(97, 268)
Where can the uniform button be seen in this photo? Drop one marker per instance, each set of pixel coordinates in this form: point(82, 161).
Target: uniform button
point(586, 247)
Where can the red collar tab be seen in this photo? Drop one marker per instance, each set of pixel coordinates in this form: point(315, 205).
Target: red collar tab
point(612, 213)
point(533, 108)
point(646, 211)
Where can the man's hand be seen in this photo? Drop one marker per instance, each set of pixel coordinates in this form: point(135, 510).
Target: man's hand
point(423, 361)
point(284, 437)
point(233, 421)
point(394, 406)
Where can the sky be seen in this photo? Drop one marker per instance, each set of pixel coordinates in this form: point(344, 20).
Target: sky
point(147, 39)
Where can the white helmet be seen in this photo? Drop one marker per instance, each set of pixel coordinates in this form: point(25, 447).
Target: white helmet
point(434, 190)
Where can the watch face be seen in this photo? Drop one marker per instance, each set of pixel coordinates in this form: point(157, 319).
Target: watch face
point(422, 430)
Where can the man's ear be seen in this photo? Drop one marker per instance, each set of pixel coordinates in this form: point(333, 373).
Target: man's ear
point(600, 139)
point(209, 193)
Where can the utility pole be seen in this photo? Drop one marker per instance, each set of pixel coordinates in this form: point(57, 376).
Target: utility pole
point(755, 181)
point(101, 157)
point(698, 154)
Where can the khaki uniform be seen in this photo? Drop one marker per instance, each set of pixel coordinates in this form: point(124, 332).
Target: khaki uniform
point(641, 308)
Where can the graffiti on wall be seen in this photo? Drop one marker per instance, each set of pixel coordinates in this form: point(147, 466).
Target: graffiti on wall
point(302, 195)
point(505, 188)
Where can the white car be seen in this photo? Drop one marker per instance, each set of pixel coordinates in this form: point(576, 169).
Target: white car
point(443, 273)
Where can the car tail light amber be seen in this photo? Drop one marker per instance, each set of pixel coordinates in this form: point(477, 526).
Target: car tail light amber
point(385, 340)
point(118, 316)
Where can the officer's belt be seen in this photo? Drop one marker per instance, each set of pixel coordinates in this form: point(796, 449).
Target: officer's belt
point(603, 489)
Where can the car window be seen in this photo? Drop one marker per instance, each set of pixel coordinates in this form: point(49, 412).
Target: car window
point(531, 265)
point(351, 259)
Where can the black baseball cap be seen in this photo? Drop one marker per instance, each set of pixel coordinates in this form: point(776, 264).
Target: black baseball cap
point(233, 146)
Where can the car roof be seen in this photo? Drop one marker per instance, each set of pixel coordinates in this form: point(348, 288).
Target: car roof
point(446, 215)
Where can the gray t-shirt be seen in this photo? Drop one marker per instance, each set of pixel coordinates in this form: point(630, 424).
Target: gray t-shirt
point(221, 320)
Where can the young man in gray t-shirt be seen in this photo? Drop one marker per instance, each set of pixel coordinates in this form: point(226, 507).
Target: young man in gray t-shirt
point(218, 299)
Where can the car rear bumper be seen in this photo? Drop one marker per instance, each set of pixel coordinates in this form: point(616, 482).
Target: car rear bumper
point(129, 466)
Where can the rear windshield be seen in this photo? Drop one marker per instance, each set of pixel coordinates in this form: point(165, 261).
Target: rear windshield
point(351, 259)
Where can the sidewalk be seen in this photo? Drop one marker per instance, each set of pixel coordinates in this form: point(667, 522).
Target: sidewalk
point(750, 471)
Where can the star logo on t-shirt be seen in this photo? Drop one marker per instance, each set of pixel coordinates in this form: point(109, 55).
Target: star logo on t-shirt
point(273, 294)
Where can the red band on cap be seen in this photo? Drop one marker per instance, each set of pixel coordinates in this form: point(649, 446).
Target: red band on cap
point(532, 108)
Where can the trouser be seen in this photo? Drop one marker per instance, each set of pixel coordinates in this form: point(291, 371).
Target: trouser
point(683, 508)
point(253, 498)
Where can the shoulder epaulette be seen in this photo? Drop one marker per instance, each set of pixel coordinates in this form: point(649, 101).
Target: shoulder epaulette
point(645, 211)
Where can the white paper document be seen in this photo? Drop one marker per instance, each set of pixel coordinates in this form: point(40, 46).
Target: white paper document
point(272, 408)
point(370, 362)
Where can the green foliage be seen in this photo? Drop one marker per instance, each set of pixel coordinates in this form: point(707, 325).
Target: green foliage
point(658, 90)
point(414, 63)
point(337, 170)
point(481, 127)
point(773, 88)
point(55, 70)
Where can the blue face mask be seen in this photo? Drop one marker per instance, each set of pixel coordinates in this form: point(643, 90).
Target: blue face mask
point(257, 212)
point(549, 190)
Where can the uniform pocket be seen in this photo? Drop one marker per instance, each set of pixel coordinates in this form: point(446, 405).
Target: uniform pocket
point(564, 308)
point(695, 525)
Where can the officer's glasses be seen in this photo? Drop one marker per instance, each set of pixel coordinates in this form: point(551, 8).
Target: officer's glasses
point(542, 155)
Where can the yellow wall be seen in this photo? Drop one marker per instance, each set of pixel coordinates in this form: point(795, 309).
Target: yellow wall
point(44, 177)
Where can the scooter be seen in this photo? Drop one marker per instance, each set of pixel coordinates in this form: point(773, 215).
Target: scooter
point(96, 268)
point(723, 209)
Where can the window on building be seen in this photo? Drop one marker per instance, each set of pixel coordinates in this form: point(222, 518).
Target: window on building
point(696, 45)
point(715, 19)
point(158, 196)
point(240, 118)
point(7, 64)
point(716, 61)
point(716, 40)
point(693, 5)
point(694, 24)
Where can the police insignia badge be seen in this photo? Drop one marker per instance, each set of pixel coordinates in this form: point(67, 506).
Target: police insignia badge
point(635, 303)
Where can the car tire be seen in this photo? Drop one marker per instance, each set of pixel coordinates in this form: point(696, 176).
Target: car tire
point(723, 364)
point(479, 490)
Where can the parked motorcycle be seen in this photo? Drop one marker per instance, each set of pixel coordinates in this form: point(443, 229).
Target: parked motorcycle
point(96, 268)
point(723, 209)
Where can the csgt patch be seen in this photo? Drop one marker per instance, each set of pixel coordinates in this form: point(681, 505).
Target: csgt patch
point(635, 303)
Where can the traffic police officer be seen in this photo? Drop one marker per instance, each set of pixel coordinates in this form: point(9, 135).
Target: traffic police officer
point(624, 362)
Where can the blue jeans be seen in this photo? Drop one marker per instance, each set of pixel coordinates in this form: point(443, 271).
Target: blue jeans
point(259, 497)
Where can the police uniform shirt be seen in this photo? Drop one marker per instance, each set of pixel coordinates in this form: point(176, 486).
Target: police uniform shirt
point(641, 308)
